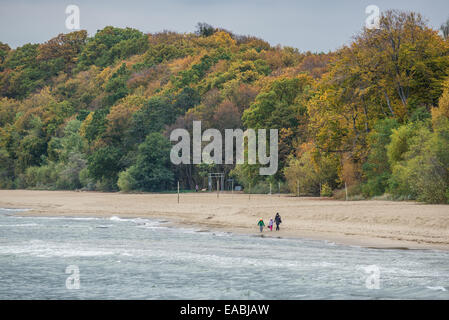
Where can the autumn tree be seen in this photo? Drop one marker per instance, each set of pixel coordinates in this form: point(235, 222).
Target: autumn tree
point(64, 47)
point(282, 105)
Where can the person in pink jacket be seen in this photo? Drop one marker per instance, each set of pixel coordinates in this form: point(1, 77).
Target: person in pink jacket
point(270, 224)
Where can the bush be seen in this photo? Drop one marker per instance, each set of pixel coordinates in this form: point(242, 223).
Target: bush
point(263, 187)
point(54, 175)
point(87, 183)
point(106, 185)
point(326, 191)
point(69, 177)
point(6, 183)
point(300, 173)
point(419, 159)
point(354, 193)
point(6, 170)
point(126, 181)
point(310, 170)
point(43, 177)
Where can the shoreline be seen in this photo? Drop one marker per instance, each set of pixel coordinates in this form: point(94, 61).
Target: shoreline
point(371, 224)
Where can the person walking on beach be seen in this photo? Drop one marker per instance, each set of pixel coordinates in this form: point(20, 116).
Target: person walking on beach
point(261, 224)
point(270, 225)
point(278, 221)
point(196, 188)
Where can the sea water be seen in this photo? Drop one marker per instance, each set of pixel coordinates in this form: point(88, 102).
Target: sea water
point(114, 258)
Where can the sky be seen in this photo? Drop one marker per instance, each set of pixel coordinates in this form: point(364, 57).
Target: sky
point(314, 25)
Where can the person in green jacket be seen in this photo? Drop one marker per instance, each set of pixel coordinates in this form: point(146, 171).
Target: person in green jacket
point(261, 224)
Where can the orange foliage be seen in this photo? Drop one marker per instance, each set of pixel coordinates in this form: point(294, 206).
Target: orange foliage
point(315, 64)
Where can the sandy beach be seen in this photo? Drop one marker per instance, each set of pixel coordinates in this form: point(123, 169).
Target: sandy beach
point(379, 224)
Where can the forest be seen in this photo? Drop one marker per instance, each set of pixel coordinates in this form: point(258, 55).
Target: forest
point(95, 113)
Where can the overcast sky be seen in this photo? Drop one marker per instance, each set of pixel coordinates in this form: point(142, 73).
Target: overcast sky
point(316, 25)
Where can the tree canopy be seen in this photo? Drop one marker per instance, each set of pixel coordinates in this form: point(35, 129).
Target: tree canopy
point(95, 112)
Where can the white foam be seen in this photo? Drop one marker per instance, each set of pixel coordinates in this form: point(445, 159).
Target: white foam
point(138, 221)
point(103, 226)
point(60, 218)
point(20, 225)
point(115, 218)
point(222, 234)
point(14, 209)
point(44, 249)
point(152, 227)
point(437, 288)
point(82, 218)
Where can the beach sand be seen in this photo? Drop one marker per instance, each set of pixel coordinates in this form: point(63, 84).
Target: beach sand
point(379, 224)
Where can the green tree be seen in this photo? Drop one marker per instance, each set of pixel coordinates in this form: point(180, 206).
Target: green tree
point(156, 113)
point(204, 30)
point(104, 166)
point(111, 44)
point(376, 169)
point(116, 87)
point(152, 169)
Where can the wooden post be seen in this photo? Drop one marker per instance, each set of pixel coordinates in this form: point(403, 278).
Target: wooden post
point(249, 193)
point(218, 188)
point(178, 191)
point(232, 184)
point(270, 188)
point(279, 188)
point(297, 188)
point(346, 190)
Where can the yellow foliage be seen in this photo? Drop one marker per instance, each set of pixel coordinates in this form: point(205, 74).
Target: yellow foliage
point(85, 124)
point(223, 39)
point(120, 114)
point(180, 64)
point(350, 171)
point(442, 111)
point(38, 100)
point(104, 75)
point(250, 54)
